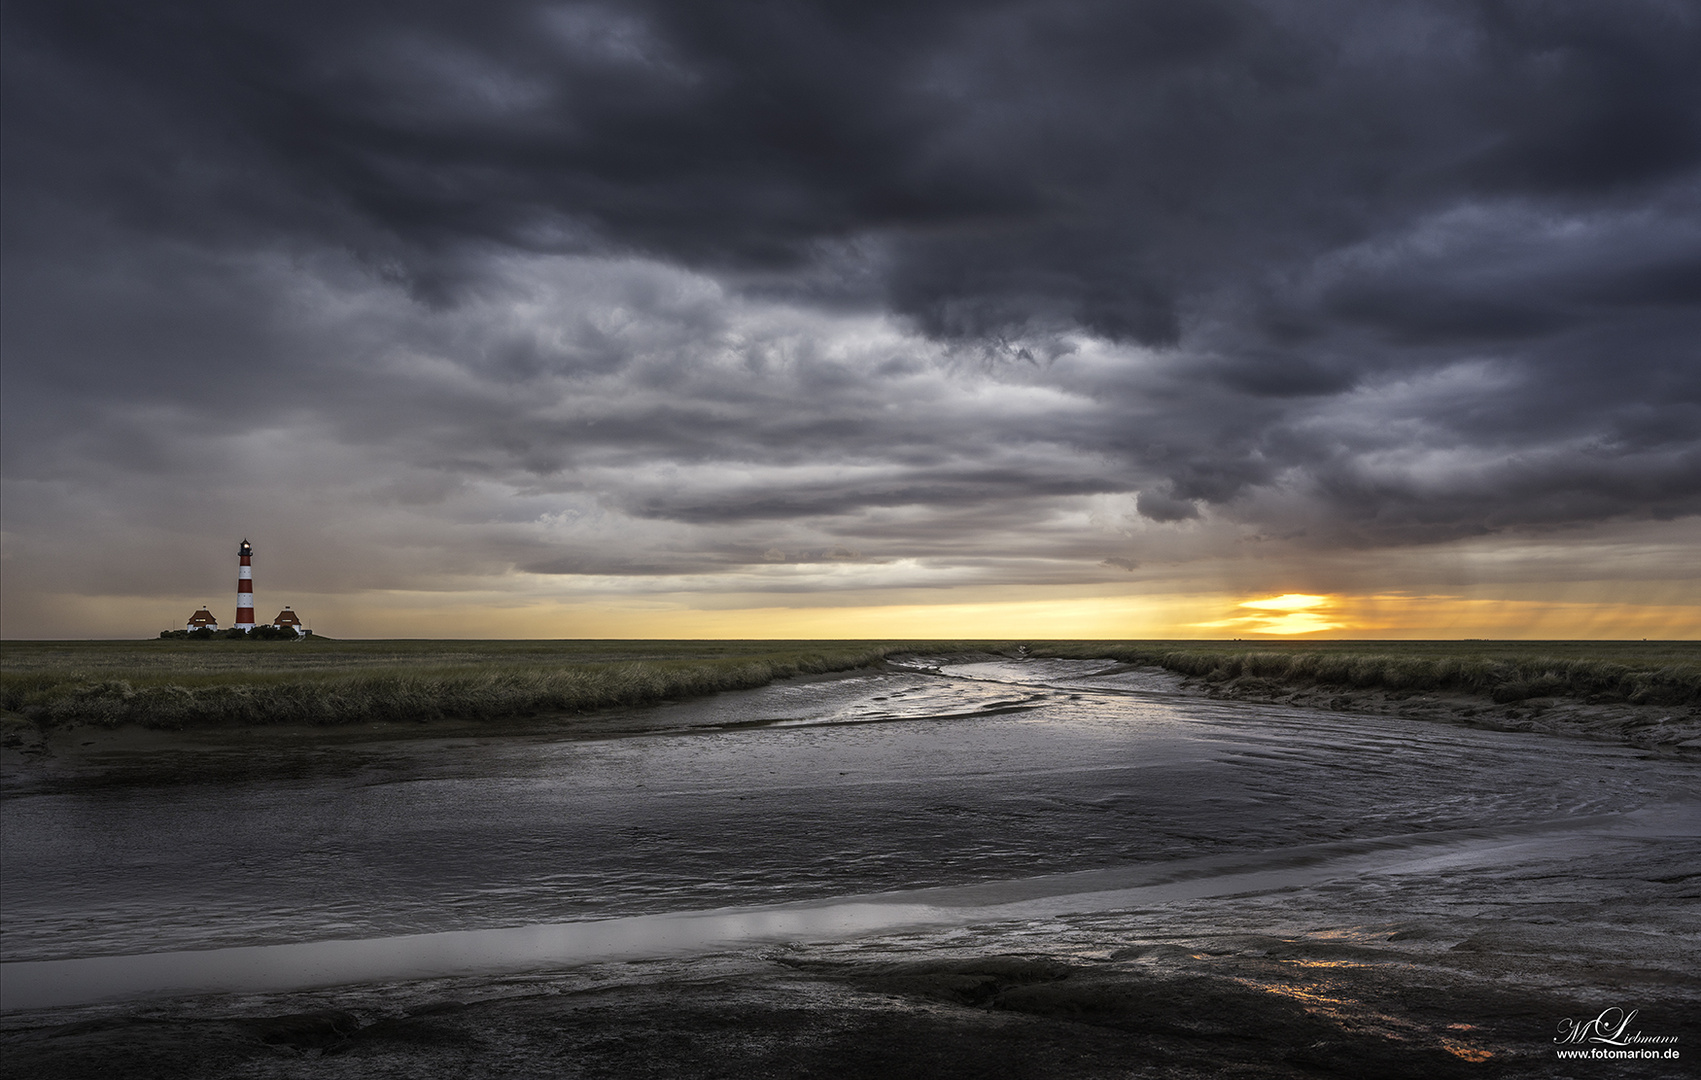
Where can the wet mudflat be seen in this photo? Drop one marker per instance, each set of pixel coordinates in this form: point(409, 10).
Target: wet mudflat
point(991, 868)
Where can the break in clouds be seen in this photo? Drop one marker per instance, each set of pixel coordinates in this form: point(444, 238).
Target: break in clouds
point(839, 295)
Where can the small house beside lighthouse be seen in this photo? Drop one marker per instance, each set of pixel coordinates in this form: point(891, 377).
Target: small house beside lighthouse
point(288, 620)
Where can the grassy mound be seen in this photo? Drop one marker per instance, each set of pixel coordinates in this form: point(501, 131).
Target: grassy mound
point(199, 692)
point(1661, 673)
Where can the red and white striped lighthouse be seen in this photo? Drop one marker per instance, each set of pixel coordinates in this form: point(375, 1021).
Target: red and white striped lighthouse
point(245, 588)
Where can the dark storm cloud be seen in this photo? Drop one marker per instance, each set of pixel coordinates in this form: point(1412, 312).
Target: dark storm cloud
point(1367, 273)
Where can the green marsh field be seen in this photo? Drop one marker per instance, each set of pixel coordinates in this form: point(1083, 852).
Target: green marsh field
point(173, 684)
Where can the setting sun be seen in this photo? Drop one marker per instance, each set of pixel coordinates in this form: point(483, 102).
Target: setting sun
point(1289, 613)
point(1288, 602)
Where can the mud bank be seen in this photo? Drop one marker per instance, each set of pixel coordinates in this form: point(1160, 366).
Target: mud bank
point(1007, 1016)
point(1665, 728)
point(1454, 969)
point(1671, 729)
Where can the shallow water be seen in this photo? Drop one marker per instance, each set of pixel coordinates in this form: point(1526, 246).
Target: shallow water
point(936, 802)
point(887, 782)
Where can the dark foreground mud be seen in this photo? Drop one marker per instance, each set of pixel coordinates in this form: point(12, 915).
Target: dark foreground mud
point(978, 1020)
point(1272, 1008)
point(1464, 966)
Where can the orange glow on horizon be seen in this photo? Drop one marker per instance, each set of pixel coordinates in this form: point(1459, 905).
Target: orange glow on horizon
point(1163, 616)
point(1287, 602)
point(1299, 613)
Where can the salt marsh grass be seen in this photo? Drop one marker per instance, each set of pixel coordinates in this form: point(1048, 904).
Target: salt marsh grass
point(1651, 673)
point(319, 681)
point(171, 684)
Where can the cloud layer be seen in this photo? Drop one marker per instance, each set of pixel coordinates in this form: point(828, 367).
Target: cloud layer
point(802, 298)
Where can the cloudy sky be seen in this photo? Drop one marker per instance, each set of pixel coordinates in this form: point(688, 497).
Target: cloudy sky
point(701, 318)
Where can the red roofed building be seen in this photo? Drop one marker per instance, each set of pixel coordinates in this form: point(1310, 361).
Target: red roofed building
point(202, 619)
point(287, 620)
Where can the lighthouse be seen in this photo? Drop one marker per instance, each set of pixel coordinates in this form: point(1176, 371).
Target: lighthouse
point(245, 587)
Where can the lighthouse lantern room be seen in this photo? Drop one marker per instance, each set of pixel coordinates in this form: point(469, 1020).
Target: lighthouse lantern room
point(245, 587)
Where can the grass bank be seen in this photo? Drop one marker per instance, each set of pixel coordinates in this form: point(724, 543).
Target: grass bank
point(174, 685)
point(1637, 673)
